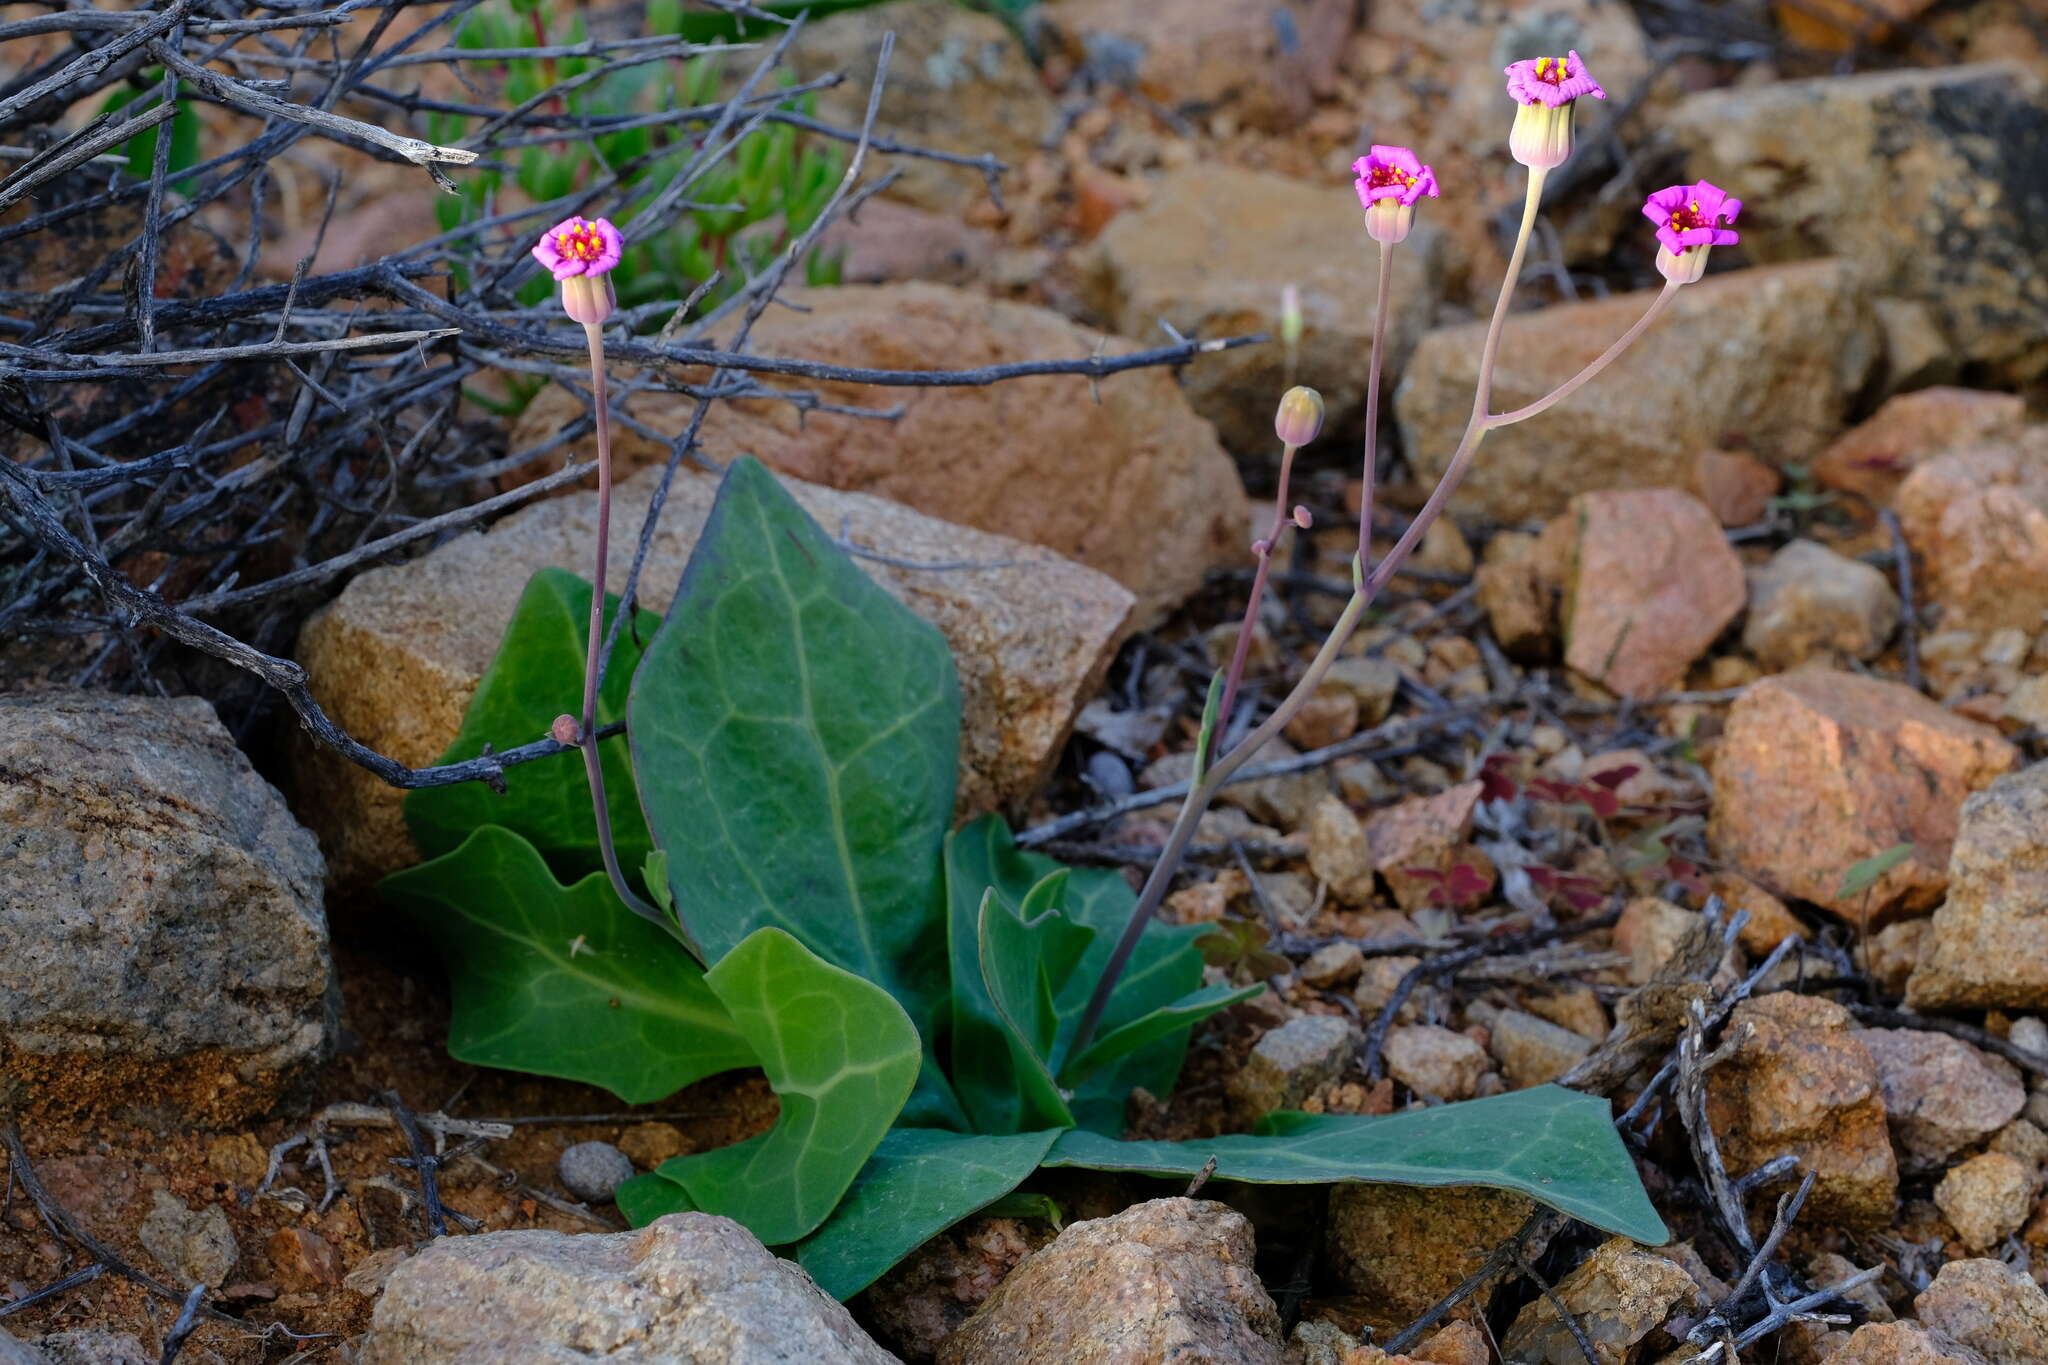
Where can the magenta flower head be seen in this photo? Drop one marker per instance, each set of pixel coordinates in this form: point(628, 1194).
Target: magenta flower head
point(1390, 181)
point(1546, 89)
point(1688, 219)
point(580, 254)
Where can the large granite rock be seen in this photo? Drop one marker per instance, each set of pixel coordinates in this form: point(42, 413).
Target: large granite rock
point(687, 1287)
point(1931, 181)
point(1873, 457)
point(1987, 948)
point(1819, 770)
point(1617, 1296)
point(397, 657)
point(1940, 1094)
point(1400, 1248)
point(162, 943)
point(1989, 1306)
point(1771, 355)
point(1979, 520)
point(1209, 255)
point(1120, 475)
point(1167, 1280)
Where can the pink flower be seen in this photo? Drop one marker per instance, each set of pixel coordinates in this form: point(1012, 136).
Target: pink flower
point(1393, 173)
point(1552, 81)
point(1390, 181)
point(579, 246)
point(1691, 215)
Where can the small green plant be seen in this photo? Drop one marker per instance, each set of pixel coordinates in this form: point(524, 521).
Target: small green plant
point(911, 991)
point(754, 201)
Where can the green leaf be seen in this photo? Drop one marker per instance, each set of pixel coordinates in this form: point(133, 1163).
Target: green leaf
point(1025, 956)
point(1023, 1204)
point(1862, 876)
point(536, 676)
point(649, 1196)
point(796, 732)
point(1555, 1145)
point(1206, 737)
point(918, 1183)
point(841, 1056)
point(563, 980)
point(1180, 1016)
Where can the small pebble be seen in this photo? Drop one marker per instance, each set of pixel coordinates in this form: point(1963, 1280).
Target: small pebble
point(593, 1171)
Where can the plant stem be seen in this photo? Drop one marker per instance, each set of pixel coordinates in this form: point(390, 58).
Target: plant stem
point(1161, 876)
point(593, 765)
point(1370, 464)
point(1250, 625)
point(1607, 357)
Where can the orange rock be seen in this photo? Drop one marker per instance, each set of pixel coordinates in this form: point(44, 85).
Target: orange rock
point(1820, 769)
point(1769, 922)
point(1653, 582)
point(1735, 486)
point(304, 1260)
point(1798, 1080)
point(1873, 457)
point(1144, 492)
point(1421, 834)
point(1979, 521)
point(1984, 947)
point(1841, 25)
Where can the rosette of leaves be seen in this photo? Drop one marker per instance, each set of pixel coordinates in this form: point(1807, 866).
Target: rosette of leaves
point(785, 782)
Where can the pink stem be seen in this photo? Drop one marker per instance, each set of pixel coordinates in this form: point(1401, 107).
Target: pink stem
point(1585, 376)
point(1372, 408)
point(1250, 625)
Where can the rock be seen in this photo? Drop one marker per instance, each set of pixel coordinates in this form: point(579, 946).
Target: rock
point(1652, 582)
point(1808, 602)
point(1979, 521)
point(1419, 835)
point(1989, 1307)
point(593, 1171)
point(1378, 981)
point(1650, 931)
point(1932, 145)
point(1737, 488)
point(1818, 770)
point(1534, 1051)
point(93, 1346)
point(195, 1245)
point(917, 1305)
point(1433, 1061)
point(649, 1144)
point(162, 941)
point(1986, 1198)
point(1892, 954)
point(1210, 253)
point(1146, 495)
point(2023, 1140)
point(1985, 947)
point(1291, 1062)
point(1333, 964)
point(1902, 1343)
point(1520, 581)
point(1166, 1280)
point(883, 242)
point(1264, 65)
point(304, 1260)
point(1843, 25)
point(1457, 1343)
point(15, 1351)
point(688, 1286)
point(1326, 718)
point(1800, 1081)
point(960, 81)
point(1874, 457)
point(1337, 851)
point(1940, 1094)
point(1403, 1247)
point(1619, 1295)
point(1770, 922)
point(1372, 681)
point(1917, 353)
point(1284, 802)
point(396, 659)
point(1799, 344)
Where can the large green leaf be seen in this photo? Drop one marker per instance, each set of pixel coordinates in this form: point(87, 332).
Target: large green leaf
point(1026, 954)
point(1165, 969)
point(918, 1183)
point(536, 676)
point(647, 1197)
point(795, 732)
point(563, 980)
point(841, 1056)
point(1555, 1145)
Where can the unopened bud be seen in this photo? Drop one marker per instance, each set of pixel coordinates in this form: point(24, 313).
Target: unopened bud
point(1303, 519)
point(565, 730)
point(1300, 416)
point(1261, 547)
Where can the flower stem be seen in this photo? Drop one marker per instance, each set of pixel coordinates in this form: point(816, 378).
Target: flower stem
point(593, 765)
point(1245, 631)
point(1370, 474)
point(1585, 376)
point(1162, 874)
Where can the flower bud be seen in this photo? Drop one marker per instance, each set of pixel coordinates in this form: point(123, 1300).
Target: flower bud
point(1303, 519)
point(1682, 267)
point(566, 730)
point(1300, 416)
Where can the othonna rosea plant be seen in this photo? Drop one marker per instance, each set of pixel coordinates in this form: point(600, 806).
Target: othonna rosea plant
point(939, 1012)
